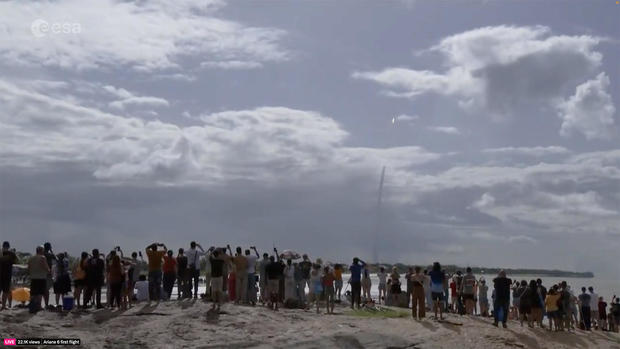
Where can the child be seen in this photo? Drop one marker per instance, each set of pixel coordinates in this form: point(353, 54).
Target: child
point(142, 286)
point(382, 275)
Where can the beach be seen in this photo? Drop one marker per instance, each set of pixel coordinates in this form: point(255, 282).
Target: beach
point(182, 324)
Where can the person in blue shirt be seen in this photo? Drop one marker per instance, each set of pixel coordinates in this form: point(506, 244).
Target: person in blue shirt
point(438, 279)
point(356, 281)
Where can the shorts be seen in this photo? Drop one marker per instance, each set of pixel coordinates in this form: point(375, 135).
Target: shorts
point(79, 283)
point(329, 290)
point(395, 288)
point(468, 297)
point(553, 314)
point(273, 286)
point(5, 283)
point(338, 283)
point(217, 283)
point(49, 282)
point(382, 286)
point(437, 296)
point(594, 314)
point(38, 287)
point(62, 285)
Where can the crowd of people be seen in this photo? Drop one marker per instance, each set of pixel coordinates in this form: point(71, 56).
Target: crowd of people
point(281, 279)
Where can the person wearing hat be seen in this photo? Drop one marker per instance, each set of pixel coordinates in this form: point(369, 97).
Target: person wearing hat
point(7, 259)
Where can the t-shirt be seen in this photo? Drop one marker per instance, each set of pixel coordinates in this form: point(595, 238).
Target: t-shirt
point(593, 300)
point(37, 265)
point(469, 282)
point(328, 280)
point(7, 260)
point(94, 269)
point(251, 260)
point(483, 289)
point(142, 293)
point(261, 267)
point(181, 264)
point(502, 288)
point(584, 298)
point(356, 271)
point(338, 274)
point(437, 278)
point(274, 270)
point(193, 258)
point(50, 258)
point(305, 266)
point(602, 308)
point(418, 279)
point(551, 302)
point(169, 264)
point(382, 278)
point(217, 267)
point(155, 259)
point(241, 263)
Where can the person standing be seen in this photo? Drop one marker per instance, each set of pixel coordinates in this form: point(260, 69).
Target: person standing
point(182, 275)
point(290, 288)
point(95, 269)
point(382, 275)
point(438, 279)
point(366, 284)
point(251, 271)
point(483, 299)
point(408, 276)
point(262, 281)
point(338, 280)
point(38, 269)
point(50, 258)
point(79, 278)
point(306, 266)
point(155, 258)
point(356, 281)
point(134, 272)
point(418, 309)
point(273, 271)
point(594, 315)
point(217, 260)
point(328, 287)
point(501, 302)
point(241, 276)
point(170, 273)
point(62, 284)
point(116, 276)
point(193, 267)
point(584, 302)
point(467, 291)
point(7, 259)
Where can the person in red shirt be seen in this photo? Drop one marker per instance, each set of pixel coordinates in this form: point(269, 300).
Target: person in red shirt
point(170, 273)
point(328, 287)
point(454, 295)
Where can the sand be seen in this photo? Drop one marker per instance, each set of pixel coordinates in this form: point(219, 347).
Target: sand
point(182, 324)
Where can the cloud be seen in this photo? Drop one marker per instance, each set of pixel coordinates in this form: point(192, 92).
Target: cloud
point(445, 129)
point(266, 144)
point(146, 36)
point(528, 151)
point(501, 71)
point(589, 111)
point(487, 200)
point(406, 118)
point(232, 65)
point(128, 99)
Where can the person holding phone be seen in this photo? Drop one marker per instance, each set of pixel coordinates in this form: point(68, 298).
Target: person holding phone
point(155, 258)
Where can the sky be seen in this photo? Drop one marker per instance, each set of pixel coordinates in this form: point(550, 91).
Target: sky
point(268, 123)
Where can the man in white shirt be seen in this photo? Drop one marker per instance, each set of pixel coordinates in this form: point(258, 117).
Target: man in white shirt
point(193, 266)
point(251, 294)
point(593, 306)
